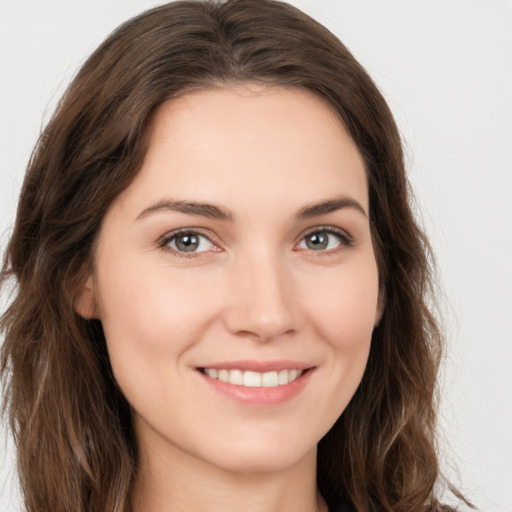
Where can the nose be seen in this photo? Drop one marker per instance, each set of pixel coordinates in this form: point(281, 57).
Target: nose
point(261, 299)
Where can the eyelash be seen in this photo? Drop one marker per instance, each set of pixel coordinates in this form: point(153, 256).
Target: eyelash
point(167, 239)
point(346, 241)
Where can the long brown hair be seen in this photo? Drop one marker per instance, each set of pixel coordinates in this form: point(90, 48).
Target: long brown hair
point(72, 426)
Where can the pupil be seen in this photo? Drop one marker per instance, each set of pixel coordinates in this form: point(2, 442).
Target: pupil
point(317, 241)
point(187, 243)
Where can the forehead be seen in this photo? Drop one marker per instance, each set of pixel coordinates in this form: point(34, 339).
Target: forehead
point(249, 142)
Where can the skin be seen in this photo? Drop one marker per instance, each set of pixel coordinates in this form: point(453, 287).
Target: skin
point(255, 289)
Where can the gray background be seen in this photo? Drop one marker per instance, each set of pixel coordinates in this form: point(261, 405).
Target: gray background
point(445, 67)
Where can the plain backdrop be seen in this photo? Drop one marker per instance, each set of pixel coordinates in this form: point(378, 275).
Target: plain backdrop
point(445, 67)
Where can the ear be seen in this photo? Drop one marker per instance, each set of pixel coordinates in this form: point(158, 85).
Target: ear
point(381, 305)
point(85, 303)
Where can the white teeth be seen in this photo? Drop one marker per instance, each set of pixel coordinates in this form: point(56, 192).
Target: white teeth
point(283, 377)
point(212, 372)
point(254, 379)
point(236, 377)
point(269, 380)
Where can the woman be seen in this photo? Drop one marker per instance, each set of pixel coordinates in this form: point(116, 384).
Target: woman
point(221, 289)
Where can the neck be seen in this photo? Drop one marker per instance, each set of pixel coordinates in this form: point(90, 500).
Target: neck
point(171, 480)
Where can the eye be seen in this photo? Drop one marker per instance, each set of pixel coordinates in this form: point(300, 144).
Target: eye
point(325, 239)
point(188, 242)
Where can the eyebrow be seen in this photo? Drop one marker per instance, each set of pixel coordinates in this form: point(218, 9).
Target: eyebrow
point(212, 211)
point(331, 205)
point(190, 208)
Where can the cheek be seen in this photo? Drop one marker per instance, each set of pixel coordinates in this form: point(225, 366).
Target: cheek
point(343, 316)
point(149, 319)
point(345, 307)
point(151, 306)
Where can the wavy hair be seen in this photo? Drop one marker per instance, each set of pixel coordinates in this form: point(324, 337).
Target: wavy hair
point(72, 426)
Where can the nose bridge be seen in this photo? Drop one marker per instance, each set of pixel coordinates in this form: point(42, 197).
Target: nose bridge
point(262, 296)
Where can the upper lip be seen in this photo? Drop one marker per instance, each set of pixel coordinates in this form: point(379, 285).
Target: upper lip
point(259, 366)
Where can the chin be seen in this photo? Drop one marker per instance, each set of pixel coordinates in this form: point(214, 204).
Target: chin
point(264, 455)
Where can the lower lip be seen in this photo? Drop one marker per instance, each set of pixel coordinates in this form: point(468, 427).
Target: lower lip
point(260, 396)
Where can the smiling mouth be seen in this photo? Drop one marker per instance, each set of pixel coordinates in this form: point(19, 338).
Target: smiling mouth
point(252, 379)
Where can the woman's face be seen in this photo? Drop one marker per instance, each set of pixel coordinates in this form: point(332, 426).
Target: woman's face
point(236, 280)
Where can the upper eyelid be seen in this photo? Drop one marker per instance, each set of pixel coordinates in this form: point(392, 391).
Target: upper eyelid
point(346, 241)
point(212, 238)
point(196, 231)
point(330, 229)
point(326, 227)
point(206, 231)
point(163, 243)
